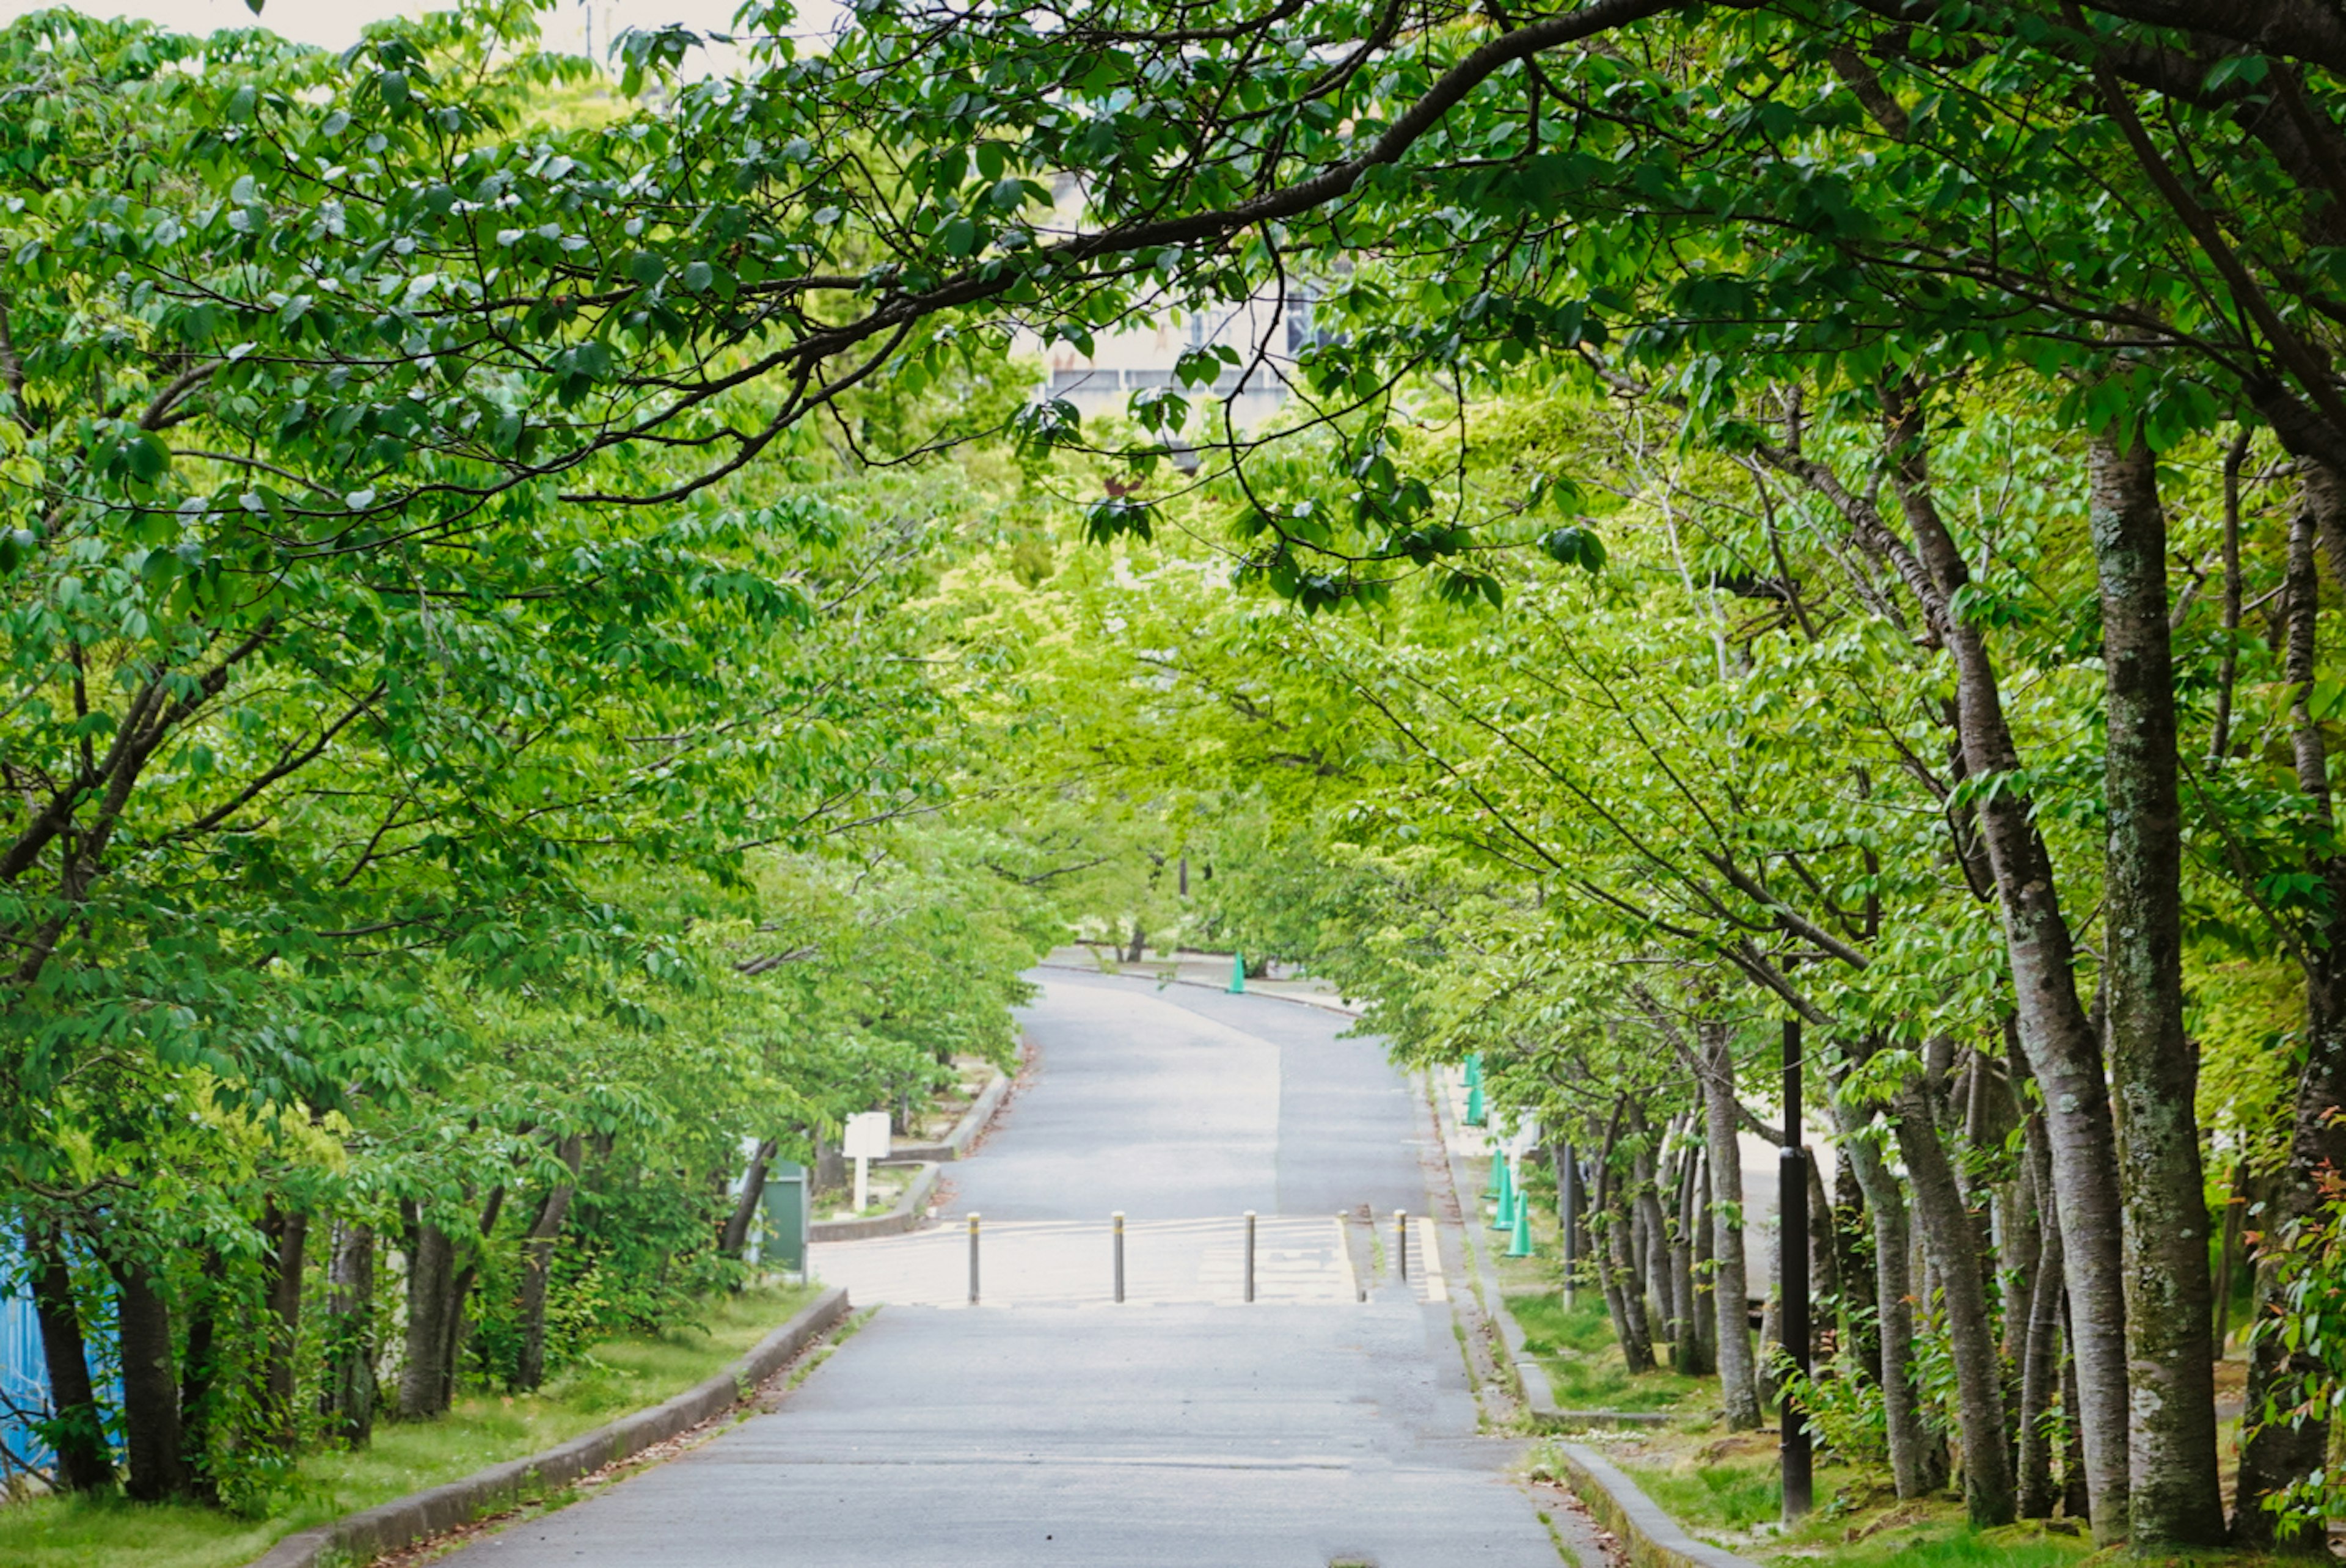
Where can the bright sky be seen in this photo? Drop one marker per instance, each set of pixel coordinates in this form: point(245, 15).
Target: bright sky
point(335, 24)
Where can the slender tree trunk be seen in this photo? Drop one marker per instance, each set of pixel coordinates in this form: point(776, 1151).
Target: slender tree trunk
point(460, 1294)
point(1913, 1463)
point(2274, 1453)
point(289, 1234)
point(2040, 1355)
point(200, 1393)
point(1737, 1377)
point(2175, 1497)
point(2228, 1255)
point(431, 1265)
point(150, 1390)
point(2059, 1038)
point(2076, 1496)
point(1608, 1277)
point(1824, 1262)
point(1706, 1288)
point(351, 1395)
point(1853, 1239)
point(537, 1259)
point(735, 1237)
point(1568, 1213)
point(1638, 1350)
point(76, 1429)
point(1686, 1350)
point(1956, 1257)
point(1657, 1240)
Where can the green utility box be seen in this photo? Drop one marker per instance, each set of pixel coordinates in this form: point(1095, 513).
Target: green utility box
point(789, 1204)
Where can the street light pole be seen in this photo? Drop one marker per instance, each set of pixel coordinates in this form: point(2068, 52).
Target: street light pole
point(1793, 1223)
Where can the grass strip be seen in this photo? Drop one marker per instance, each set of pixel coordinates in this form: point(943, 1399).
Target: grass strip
point(615, 1377)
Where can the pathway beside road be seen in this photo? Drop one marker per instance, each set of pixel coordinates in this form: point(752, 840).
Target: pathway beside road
point(1184, 1429)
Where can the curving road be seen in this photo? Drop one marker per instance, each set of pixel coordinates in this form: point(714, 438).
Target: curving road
point(1182, 1429)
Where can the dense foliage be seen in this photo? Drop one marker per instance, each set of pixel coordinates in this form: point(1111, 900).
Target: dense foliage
point(484, 552)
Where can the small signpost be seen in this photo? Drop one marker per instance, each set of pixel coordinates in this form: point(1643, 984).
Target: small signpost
point(865, 1140)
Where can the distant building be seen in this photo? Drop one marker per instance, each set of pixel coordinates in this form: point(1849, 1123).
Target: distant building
point(1266, 333)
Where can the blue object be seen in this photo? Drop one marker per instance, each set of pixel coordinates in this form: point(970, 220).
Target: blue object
point(24, 1367)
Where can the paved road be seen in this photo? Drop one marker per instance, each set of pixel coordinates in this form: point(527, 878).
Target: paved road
point(1290, 1434)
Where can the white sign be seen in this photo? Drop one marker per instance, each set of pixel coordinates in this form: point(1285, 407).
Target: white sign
point(867, 1137)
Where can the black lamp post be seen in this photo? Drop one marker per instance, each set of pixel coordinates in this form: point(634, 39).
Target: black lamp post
point(1793, 1223)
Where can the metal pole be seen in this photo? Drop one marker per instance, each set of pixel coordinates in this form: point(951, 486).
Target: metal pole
point(972, 1259)
point(1250, 1254)
point(1792, 1218)
point(1567, 1209)
point(1119, 1217)
point(1400, 1242)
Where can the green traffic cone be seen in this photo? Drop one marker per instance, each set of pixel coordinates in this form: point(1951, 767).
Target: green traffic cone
point(1519, 1245)
point(1490, 1188)
point(1473, 1069)
point(1506, 1218)
point(1474, 1117)
point(1238, 974)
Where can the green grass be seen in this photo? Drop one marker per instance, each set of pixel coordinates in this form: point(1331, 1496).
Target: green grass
point(1961, 1547)
point(619, 1376)
point(1716, 1496)
point(1576, 1346)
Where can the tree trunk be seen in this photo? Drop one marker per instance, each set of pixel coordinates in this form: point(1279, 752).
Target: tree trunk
point(1914, 1463)
point(1568, 1213)
point(1638, 1350)
point(350, 1397)
point(460, 1292)
point(1948, 1233)
point(1706, 1292)
point(1608, 1277)
point(1656, 1276)
point(150, 1390)
point(1689, 1350)
point(2175, 1497)
point(736, 1238)
point(2274, 1453)
point(289, 1234)
point(2076, 1496)
point(1139, 948)
point(200, 1395)
point(1824, 1263)
point(1860, 1336)
point(537, 1257)
point(76, 1427)
point(431, 1264)
point(1738, 1384)
point(2053, 1029)
point(830, 1165)
point(2039, 1361)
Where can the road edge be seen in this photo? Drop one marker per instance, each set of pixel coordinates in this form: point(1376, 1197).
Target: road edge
point(955, 1144)
point(390, 1526)
point(1650, 1538)
point(1531, 1379)
point(910, 1210)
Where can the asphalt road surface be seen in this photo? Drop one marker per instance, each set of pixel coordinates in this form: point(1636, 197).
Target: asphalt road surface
point(1185, 1429)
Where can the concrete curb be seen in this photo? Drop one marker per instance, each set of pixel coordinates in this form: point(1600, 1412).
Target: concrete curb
point(1581, 1420)
point(910, 1210)
point(1530, 1378)
point(387, 1527)
point(1651, 1538)
point(973, 1122)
